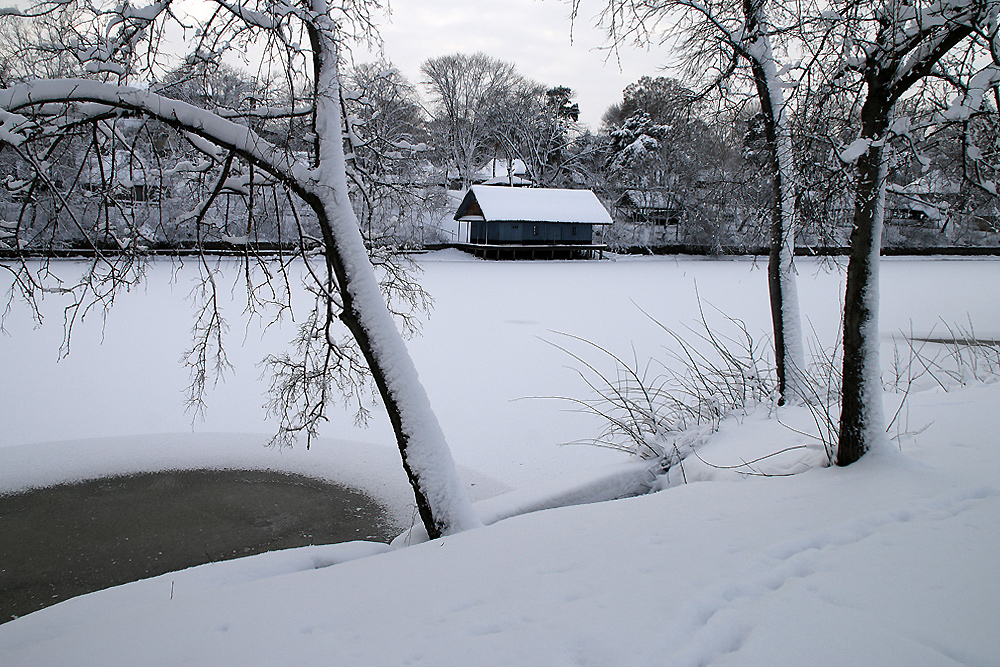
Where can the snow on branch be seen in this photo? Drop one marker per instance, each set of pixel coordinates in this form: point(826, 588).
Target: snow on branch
point(147, 13)
point(11, 125)
point(267, 112)
point(209, 126)
point(853, 151)
point(964, 106)
point(249, 16)
point(921, 38)
point(125, 29)
point(206, 147)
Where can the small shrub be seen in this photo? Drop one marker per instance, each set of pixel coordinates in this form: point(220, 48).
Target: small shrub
point(659, 412)
point(656, 412)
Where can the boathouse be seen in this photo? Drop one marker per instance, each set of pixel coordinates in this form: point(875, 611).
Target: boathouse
point(530, 223)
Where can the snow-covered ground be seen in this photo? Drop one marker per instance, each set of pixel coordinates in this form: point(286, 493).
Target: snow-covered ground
point(890, 561)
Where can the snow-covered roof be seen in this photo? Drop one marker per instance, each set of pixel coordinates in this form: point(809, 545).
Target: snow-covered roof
point(513, 181)
point(533, 205)
point(497, 168)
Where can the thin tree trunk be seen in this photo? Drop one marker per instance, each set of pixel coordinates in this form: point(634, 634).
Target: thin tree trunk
point(781, 273)
point(783, 292)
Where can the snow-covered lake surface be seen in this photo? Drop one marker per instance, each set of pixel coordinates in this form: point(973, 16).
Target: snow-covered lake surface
point(891, 561)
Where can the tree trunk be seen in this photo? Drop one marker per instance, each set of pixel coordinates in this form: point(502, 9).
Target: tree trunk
point(899, 62)
point(785, 319)
point(862, 423)
point(441, 500)
point(788, 347)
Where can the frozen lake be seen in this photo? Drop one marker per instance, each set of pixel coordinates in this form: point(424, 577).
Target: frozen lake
point(484, 353)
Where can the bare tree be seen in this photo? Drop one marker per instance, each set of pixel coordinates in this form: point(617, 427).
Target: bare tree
point(389, 166)
point(469, 94)
point(118, 45)
point(538, 125)
point(889, 48)
point(716, 37)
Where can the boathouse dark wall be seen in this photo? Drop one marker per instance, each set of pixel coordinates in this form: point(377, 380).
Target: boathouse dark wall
point(530, 232)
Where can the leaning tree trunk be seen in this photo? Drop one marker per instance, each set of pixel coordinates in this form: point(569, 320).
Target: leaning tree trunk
point(441, 500)
point(862, 423)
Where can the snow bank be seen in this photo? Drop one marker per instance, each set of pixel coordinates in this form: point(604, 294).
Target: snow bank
point(371, 468)
point(891, 561)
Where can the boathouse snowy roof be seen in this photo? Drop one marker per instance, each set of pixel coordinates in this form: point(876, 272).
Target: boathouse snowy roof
point(492, 203)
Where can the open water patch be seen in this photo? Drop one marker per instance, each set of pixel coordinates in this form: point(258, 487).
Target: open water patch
point(62, 541)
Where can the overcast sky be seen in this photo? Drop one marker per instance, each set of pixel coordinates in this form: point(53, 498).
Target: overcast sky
point(536, 35)
point(533, 34)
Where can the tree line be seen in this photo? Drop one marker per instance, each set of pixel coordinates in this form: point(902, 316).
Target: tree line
point(680, 162)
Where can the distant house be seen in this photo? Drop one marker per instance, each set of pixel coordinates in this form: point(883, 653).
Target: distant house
point(503, 172)
point(652, 207)
point(512, 173)
point(530, 222)
point(939, 203)
point(923, 202)
point(653, 210)
point(124, 179)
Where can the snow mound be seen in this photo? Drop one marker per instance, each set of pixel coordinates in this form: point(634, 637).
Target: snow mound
point(889, 561)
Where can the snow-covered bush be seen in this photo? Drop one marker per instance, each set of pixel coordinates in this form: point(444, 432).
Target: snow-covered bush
point(662, 410)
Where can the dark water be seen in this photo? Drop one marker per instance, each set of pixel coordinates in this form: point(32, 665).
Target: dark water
point(67, 540)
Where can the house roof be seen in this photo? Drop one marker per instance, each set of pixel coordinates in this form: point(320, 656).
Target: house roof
point(513, 181)
point(493, 203)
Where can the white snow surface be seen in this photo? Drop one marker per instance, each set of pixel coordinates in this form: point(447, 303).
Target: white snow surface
point(891, 561)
